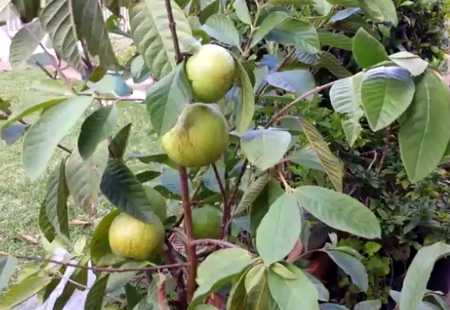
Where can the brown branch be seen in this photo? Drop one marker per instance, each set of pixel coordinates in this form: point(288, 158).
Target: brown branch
point(217, 242)
point(99, 269)
point(190, 246)
point(226, 208)
point(286, 108)
point(173, 30)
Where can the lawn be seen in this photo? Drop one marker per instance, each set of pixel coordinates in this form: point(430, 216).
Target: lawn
point(20, 198)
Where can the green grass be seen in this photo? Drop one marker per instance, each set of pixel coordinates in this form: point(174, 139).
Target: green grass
point(20, 198)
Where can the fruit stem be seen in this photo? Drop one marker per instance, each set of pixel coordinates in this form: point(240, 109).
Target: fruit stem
point(190, 246)
point(226, 208)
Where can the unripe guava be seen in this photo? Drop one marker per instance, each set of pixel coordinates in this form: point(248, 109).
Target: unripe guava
point(132, 238)
point(211, 72)
point(199, 137)
point(206, 222)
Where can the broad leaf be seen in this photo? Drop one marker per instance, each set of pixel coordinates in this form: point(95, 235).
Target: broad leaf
point(94, 300)
point(279, 229)
point(367, 50)
point(332, 165)
point(251, 194)
point(380, 10)
point(419, 271)
point(386, 93)
point(119, 143)
point(307, 158)
point(352, 267)
point(344, 14)
point(413, 63)
point(43, 137)
point(295, 81)
point(99, 245)
point(339, 211)
point(247, 101)
point(54, 207)
point(373, 304)
point(331, 63)
point(219, 268)
point(167, 98)
point(151, 33)
point(242, 12)
point(58, 19)
point(298, 293)
point(345, 96)
point(7, 268)
point(91, 28)
point(123, 190)
point(301, 34)
point(272, 20)
point(353, 3)
point(259, 297)
point(222, 28)
point(23, 290)
point(24, 43)
point(27, 9)
point(335, 39)
point(83, 177)
point(264, 148)
point(425, 133)
point(96, 128)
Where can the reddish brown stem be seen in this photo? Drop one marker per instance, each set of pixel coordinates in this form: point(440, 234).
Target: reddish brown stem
point(296, 252)
point(190, 245)
point(173, 30)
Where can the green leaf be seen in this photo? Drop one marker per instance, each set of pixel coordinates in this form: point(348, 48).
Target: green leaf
point(331, 63)
point(301, 34)
point(386, 93)
point(99, 245)
point(167, 98)
point(259, 297)
point(307, 158)
point(264, 148)
point(94, 299)
point(352, 267)
point(297, 81)
point(83, 177)
point(123, 190)
point(298, 293)
point(382, 11)
point(96, 128)
point(335, 39)
point(222, 28)
point(218, 269)
point(44, 135)
point(339, 211)
point(118, 280)
point(272, 20)
point(425, 133)
point(367, 50)
point(252, 193)
point(279, 230)
point(27, 9)
point(242, 12)
point(119, 143)
point(91, 28)
point(23, 290)
point(247, 101)
point(352, 3)
point(345, 96)
point(7, 268)
point(415, 282)
point(24, 43)
point(237, 297)
point(58, 19)
point(55, 205)
point(413, 63)
point(332, 165)
point(151, 33)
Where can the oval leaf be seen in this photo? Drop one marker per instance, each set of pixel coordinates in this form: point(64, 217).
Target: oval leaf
point(247, 101)
point(222, 28)
point(339, 211)
point(352, 267)
point(264, 148)
point(279, 229)
point(367, 50)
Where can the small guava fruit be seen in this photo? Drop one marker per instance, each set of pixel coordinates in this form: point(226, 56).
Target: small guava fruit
point(199, 137)
point(206, 222)
point(132, 238)
point(211, 72)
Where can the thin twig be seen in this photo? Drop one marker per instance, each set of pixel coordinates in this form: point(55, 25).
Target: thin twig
point(217, 242)
point(173, 30)
point(93, 268)
point(226, 209)
point(190, 246)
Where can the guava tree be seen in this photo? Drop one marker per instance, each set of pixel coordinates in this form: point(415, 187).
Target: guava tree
point(220, 217)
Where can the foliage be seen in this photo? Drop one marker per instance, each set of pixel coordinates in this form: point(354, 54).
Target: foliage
point(312, 179)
